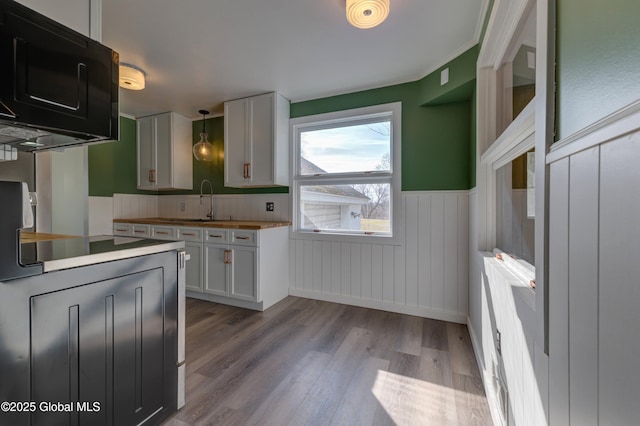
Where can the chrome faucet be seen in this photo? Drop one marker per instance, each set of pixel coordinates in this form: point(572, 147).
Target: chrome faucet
point(210, 214)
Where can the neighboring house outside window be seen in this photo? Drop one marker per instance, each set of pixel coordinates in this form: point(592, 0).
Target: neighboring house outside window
point(330, 207)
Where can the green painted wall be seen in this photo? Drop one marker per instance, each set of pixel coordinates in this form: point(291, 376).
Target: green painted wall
point(462, 75)
point(435, 139)
point(598, 60)
point(438, 137)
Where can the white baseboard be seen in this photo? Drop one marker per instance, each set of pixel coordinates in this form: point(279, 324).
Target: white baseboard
point(226, 300)
point(383, 306)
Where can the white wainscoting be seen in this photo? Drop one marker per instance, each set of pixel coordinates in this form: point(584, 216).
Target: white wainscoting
point(428, 275)
point(508, 307)
point(129, 206)
point(594, 276)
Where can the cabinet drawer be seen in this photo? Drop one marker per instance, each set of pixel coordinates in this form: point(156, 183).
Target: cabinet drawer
point(121, 229)
point(163, 232)
point(190, 234)
point(244, 238)
point(141, 231)
point(213, 235)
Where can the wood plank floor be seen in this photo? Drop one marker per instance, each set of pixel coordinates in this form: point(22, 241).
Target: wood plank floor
point(307, 362)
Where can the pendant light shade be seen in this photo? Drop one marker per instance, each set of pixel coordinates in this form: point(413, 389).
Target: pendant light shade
point(367, 13)
point(203, 150)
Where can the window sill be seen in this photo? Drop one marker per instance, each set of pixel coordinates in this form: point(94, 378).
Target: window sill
point(519, 267)
point(524, 297)
point(346, 238)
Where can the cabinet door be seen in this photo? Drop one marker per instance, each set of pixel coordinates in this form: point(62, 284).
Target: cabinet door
point(146, 153)
point(100, 342)
point(243, 277)
point(261, 136)
point(235, 140)
point(194, 267)
point(215, 269)
point(163, 135)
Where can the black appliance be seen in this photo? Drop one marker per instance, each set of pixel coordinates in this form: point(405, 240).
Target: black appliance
point(11, 221)
point(57, 87)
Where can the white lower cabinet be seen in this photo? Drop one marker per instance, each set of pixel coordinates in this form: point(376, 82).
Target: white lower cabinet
point(230, 271)
point(193, 238)
point(193, 270)
point(246, 268)
point(243, 279)
point(215, 269)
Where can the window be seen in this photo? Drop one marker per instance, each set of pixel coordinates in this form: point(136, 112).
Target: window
point(346, 177)
point(507, 168)
point(515, 209)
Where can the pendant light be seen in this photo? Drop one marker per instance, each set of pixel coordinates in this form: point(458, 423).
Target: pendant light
point(203, 150)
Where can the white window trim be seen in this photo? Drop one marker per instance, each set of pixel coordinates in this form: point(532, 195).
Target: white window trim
point(504, 23)
point(329, 120)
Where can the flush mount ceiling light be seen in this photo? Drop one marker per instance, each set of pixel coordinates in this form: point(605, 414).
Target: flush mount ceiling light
point(367, 13)
point(131, 77)
point(203, 150)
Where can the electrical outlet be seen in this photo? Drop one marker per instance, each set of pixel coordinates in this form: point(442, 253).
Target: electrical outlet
point(270, 206)
point(182, 207)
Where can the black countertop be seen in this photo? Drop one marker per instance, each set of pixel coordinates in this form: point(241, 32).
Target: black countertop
point(81, 251)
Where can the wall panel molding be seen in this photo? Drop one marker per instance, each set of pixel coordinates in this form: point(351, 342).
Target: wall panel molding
point(427, 275)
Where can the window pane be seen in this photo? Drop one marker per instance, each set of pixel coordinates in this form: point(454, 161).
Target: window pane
point(516, 225)
point(357, 148)
point(517, 74)
point(358, 207)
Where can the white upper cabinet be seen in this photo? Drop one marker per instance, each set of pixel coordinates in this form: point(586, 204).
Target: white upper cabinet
point(256, 141)
point(164, 152)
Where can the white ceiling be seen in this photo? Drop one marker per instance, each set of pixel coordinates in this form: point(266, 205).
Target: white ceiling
point(200, 53)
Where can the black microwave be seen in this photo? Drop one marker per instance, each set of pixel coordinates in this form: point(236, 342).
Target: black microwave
point(57, 86)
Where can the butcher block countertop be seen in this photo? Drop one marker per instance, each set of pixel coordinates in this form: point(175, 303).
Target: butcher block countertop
point(206, 223)
point(34, 237)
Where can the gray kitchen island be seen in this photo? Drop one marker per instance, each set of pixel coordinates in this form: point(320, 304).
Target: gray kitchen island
point(96, 339)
